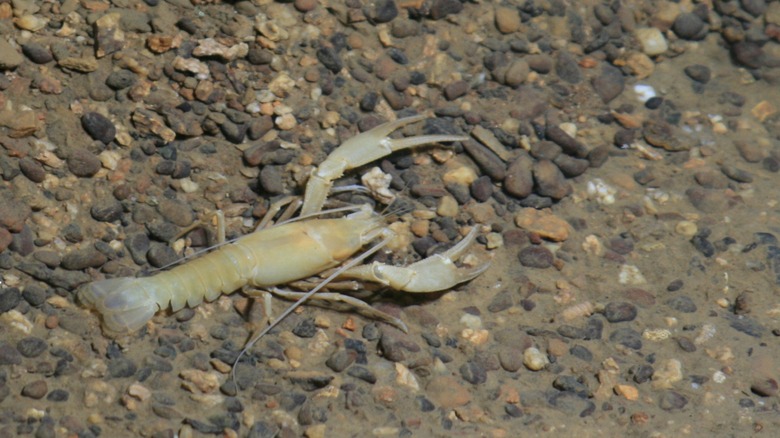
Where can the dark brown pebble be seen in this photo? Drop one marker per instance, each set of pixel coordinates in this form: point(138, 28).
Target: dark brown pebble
point(501, 301)
point(742, 303)
point(383, 11)
point(121, 79)
point(404, 28)
point(87, 257)
point(699, 73)
point(58, 395)
point(441, 8)
point(31, 346)
point(675, 285)
point(540, 63)
point(397, 100)
point(598, 156)
point(455, 90)
point(167, 412)
point(330, 59)
point(620, 312)
point(395, 345)
point(689, 26)
point(519, 176)
point(23, 242)
point(340, 360)
point(737, 174)
point(672, 401)
point(83, 163)
point(176, 212)
point(581, 352)
point(257, 55)
point(34, 295)
point(770, 164)
point(569, 144)
point(482, 188)
point(473, 372)
point(254, 155)
point(6, 238)
point(681, 304)
point(137, 245)
point(511, 359)
point(545, 150)
point(536, 257)
point(37, 53)
point(609, 84)
point(121, 367)
point(641, 297)
point(271, 180)
point(258, 127)
point(570, 384)
point(35, 390)
point(644, 176)
point(661, 134)
point(749, 151)
point(621, 245)
point(98, 127)
point(305, 328)
point(106, 210)
point(711, 179)
point(486, 160)
point(14, 213)
point(571, 166)
point(161, 255)
point(707, 200)
point(305, 5)
point(32, 169)
point(685, 344)
point(362, 373)
point(748, 53)
point(765, 387)
point(627, 337)
point(310, 380)
point(9, 299)
point(233, 132)
point(567, 68)
point(550, 181)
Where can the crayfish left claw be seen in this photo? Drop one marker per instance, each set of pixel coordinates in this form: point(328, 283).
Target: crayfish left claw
point(435, 273)
point(359, 150)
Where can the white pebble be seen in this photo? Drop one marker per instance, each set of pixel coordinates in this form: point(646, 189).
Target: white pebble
point(534, 360)
point(644, 92)
point(630, 274)
point(652, 40)
point(473, 322)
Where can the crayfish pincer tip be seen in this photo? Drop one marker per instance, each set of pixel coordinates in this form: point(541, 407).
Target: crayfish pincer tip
point(122, 303)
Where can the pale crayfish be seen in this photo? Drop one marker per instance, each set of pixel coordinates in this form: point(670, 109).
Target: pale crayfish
point(291, 250)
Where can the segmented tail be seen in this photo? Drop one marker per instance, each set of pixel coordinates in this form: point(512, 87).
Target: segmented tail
point(124, 303)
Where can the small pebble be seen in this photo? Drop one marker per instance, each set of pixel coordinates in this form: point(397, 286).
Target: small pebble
point(35, 390)
point(31, 346)
point(98, 127)
point(689, 26)
point(536, 257)
point(672, 401)
point(620, 312)
point(765, 387)
point(447, 393)
point(682, 304)
point(627, 337)
point(473, 372)
point(362, 373)
point(534, 360)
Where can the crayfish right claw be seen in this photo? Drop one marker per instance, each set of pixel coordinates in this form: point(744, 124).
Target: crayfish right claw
point(435, 273)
